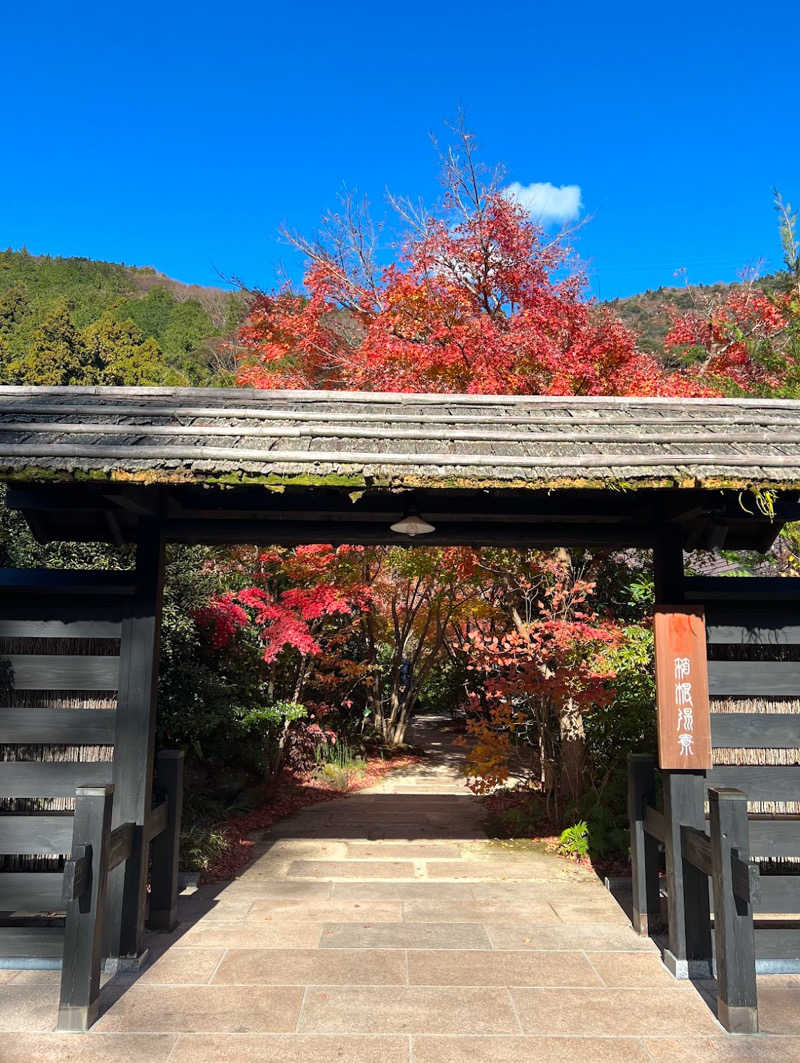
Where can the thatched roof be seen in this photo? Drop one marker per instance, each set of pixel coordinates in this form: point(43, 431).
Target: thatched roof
point(169, 435)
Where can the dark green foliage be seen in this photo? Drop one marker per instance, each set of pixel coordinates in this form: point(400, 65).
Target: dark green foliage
point(56, 354)
point(443, 689)
point(204, 694)
point(51, 310)
point(18, 548)
point(267, 728)
point(120, 355)
point(626, 725)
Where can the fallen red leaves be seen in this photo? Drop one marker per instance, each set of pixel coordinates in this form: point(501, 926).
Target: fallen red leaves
point(293, 793)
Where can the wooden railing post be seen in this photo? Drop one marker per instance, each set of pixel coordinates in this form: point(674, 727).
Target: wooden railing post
point(689, 950)
point(165, 847)
point(135, 746)
point(644, 847)
point(737, 1004)
point(85, 889)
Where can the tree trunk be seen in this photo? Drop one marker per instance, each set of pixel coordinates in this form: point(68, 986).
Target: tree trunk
point(573, 751)
point(394, 723)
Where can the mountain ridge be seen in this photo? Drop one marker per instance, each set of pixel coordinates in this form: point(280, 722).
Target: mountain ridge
point(195, 325)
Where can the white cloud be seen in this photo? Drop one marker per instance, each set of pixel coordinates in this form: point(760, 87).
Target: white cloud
point(546, 202)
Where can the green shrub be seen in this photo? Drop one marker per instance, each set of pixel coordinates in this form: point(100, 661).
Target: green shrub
point(340, 776)
point(574, 841)
point(339, 752)
point(201, 847)
point(268, 727)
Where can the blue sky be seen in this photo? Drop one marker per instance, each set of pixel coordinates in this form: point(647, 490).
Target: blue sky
point(182, 136)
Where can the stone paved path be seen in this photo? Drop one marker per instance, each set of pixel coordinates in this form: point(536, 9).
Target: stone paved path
point(385, 928)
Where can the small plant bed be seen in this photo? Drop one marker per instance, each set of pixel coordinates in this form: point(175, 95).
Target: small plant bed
point(593, 841)
point(226, 846)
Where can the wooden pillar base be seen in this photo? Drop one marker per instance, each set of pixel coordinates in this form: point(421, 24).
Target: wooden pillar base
point(737, 1019)
point(164, 919)
point(117, 964)
point(640, 923)
point(684, 969)
point(77, 1019)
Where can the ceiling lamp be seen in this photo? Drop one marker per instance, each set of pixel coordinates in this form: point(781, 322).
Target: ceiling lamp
point(412, 524)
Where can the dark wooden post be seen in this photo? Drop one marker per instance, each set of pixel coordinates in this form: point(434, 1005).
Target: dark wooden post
point(689, 940)
point(688, 952)
point(737, 1004)
point(165, 847)
point(135, 742)
point(644, 847)
point(85, 887)
point(668, 568)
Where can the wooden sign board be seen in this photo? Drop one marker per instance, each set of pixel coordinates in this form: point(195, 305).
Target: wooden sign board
point(684, 721)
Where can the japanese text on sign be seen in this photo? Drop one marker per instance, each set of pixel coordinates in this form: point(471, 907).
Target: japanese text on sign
point(684, 740)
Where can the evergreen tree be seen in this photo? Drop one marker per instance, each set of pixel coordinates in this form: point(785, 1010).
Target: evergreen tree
point(56, 356)
point(120, 354)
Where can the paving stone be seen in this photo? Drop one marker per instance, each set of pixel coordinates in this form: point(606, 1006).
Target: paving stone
point(443, 892)
point(94, 1048)
point(229, 911)
point(590, 913)
point(264, 888)
point(481, 869)
point(338, 911)
point(404, 936)
point(360, 869)
point(730, 1049)
point(630, 970)
point(779, 1010)
point(408, 1009)
point(613, 1012)
point(410, 803)
point(448, 968)
point(183, 967)
point(29, 1009)
point(418, 833)
point(589, 938)
point(312, 967)
point(271, 1048)
point(543, 891)
point(424, 911)
point(216, 1009)
point(317, 849)
point(261, 935)
point(41, 978)
point(778, 981)
point(365, 851)
point(529, 1050)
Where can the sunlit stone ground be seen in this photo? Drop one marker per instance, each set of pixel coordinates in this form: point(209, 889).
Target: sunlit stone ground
point(385, 928)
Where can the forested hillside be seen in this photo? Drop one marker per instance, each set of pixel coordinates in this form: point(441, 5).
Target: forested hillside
point(69, 320)
point(649, 314)
point(59, 317)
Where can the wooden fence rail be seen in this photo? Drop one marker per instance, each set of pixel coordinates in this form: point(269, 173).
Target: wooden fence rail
point(81, 890)
point(693, 857)
point(84, 894)
point(97, 850)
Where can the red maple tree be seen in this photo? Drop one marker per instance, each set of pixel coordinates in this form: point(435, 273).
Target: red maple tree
point(481, 298)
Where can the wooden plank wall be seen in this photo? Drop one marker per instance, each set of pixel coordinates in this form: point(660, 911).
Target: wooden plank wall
point(59, 675)
point(754, 681)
